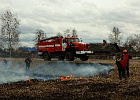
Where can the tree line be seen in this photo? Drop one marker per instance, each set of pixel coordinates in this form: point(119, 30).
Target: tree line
point(131, 41)
point(10, 32)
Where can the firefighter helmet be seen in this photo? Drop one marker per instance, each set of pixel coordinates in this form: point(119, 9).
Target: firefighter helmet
point(125, 50)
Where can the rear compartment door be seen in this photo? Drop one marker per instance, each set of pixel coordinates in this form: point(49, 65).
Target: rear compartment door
point(57, 45)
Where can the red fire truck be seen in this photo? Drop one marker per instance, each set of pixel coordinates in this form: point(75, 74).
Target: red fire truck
point(63, 47)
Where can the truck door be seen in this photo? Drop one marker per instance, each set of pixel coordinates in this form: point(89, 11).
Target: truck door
point(64, 44)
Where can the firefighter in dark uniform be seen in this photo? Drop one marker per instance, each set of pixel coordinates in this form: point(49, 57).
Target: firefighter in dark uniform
point(28, 61)
point(5, 63)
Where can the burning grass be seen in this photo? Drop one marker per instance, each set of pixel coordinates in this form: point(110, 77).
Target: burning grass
point(72, 87)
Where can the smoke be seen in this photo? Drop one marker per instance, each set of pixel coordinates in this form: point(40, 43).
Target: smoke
point(13, 71)
point(56, 69)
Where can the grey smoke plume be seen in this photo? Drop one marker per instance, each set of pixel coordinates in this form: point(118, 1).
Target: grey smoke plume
point(13, 72)
point(57, 69)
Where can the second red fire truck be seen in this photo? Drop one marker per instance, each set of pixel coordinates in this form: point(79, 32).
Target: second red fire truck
point(63, 47)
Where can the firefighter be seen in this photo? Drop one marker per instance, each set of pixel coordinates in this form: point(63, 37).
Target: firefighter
point(126, 57)
point(121, 64)
point(28, 61)
point(5, 63)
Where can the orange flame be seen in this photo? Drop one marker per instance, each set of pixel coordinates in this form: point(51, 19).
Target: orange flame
point(66, 77)
point(29, 80)
point(63, 78)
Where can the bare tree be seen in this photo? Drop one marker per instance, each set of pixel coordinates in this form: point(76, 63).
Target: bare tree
point(70, 32)
point(67, 33)
point(59, 34)
point(74, 33)
point(115, 37)
point(134, 41)
point(9, 31)
point(39, 34)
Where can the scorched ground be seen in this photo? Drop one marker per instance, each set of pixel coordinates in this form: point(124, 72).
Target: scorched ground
point(79, 88)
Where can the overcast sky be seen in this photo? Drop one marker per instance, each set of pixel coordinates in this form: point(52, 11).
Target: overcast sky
point(93, 19)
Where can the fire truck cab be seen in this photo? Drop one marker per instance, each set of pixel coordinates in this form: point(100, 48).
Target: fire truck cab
point(63, 47)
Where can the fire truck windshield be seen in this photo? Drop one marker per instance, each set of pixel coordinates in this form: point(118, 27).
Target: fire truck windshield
point(73, 40)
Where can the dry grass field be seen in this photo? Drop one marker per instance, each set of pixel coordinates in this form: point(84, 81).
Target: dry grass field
point(77, 88)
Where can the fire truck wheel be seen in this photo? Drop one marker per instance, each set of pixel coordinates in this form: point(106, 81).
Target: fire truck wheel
point(69, 56)
point(61, 58)
point(84, 58)
point(47, 56)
